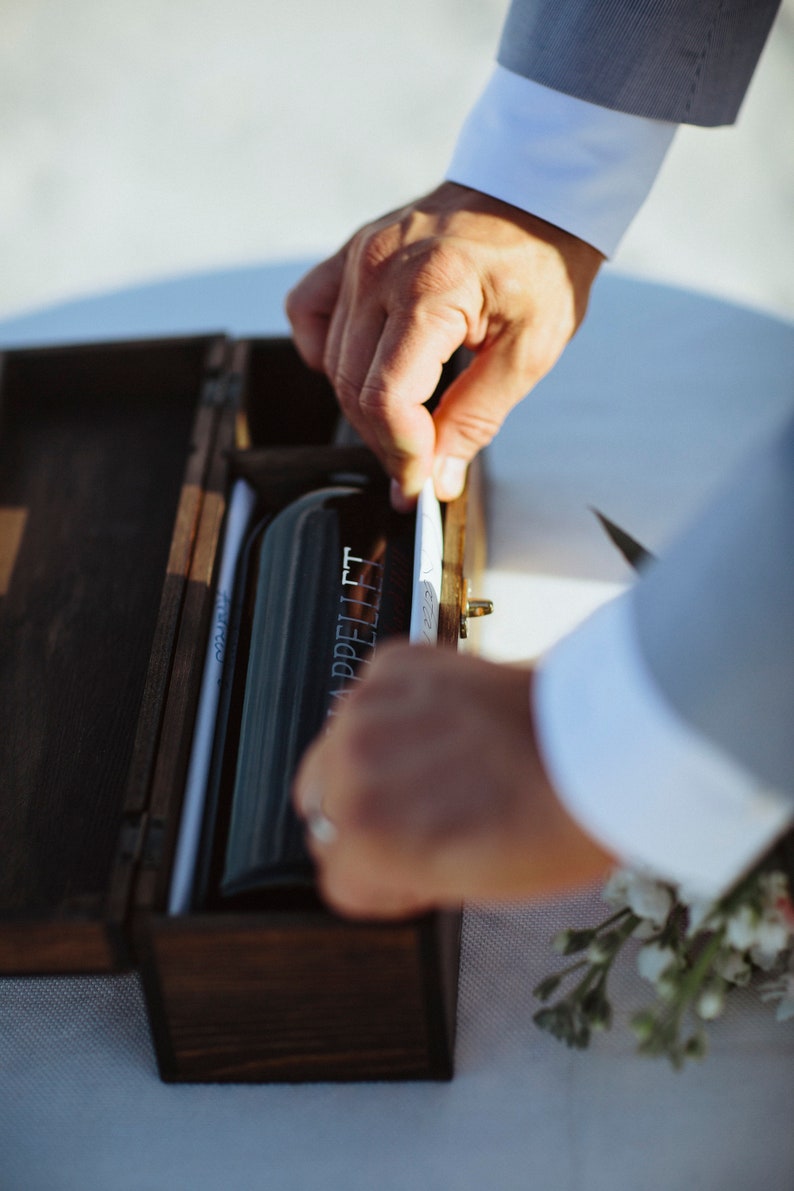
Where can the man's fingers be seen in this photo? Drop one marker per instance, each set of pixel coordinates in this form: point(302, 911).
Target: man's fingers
point(350, 867)
point(310, 785)
point(310, 306)
point(403, 375)
point(475, 405)
point(352, 342)
point(454, 268)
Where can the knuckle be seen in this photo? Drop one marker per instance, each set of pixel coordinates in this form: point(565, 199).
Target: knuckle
point(438, 271)
point(346, 389)
point(477, 429)
point(375, 249)
point(376, 402)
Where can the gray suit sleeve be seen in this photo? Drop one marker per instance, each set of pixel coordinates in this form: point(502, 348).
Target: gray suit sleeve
point(715, 618)
point(685, 61)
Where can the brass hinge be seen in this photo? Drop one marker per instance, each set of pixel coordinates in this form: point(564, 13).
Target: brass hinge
point(470, 607)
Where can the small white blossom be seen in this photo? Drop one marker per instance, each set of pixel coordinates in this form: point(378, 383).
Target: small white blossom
point(642, 895)
point(765, 935)
point(614, 891)
point(765, 957)
point(653, 960)
point(732, 966)
point(741, 928)
point(773, 934)
point(710, 1003)
point(649, 899)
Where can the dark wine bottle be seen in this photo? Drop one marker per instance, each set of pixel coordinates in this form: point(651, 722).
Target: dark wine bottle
point(332, 575)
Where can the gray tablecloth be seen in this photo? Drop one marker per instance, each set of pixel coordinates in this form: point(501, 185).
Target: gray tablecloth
point(659, 395)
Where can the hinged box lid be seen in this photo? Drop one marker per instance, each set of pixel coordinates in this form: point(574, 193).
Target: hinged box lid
point(106, 460)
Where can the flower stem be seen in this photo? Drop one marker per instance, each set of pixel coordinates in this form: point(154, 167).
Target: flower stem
point(616, 918)
point(694, 977)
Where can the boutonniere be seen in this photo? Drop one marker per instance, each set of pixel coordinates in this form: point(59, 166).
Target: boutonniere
point(692, 953)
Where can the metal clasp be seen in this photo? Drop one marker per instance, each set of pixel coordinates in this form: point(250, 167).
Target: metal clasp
point(471, 608)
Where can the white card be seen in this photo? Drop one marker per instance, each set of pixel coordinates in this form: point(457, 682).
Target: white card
point(428, 554)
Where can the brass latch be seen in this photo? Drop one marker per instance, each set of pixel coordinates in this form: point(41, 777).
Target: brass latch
point(471, 607)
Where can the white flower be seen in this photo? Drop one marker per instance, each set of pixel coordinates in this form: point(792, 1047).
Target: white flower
point(742, 927)
point(649, 899)
point(710, 1003)
point(614, 891)
point(766, 954)
point(644, 896)
point(653, 961)
point(732, 966)
point(763, 934)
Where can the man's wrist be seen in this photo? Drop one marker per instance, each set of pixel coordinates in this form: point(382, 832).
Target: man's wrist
point(573, 164)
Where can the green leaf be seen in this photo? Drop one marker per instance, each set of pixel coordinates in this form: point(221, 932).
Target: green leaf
point(569, 942)
point(546, 987)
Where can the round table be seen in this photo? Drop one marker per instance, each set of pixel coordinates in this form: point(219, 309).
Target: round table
point(658, 396)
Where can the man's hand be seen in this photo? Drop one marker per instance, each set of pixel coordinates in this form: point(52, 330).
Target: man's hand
point(385, 313)
point(431, 791)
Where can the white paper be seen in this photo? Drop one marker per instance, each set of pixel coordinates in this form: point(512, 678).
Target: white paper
point(428, 555)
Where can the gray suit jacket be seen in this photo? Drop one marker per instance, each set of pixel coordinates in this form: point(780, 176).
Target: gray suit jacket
point(715, 616)
point(687, 61)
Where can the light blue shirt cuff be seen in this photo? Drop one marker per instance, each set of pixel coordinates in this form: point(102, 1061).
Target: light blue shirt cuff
point(582, 167)
point(634, 775)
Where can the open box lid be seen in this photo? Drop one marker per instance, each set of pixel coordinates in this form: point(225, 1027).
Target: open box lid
point(106, 461)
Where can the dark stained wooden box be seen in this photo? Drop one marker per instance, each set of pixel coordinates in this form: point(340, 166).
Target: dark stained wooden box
point(115, 464)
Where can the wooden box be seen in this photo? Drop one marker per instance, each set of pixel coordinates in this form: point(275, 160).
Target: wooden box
point(115, 463)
